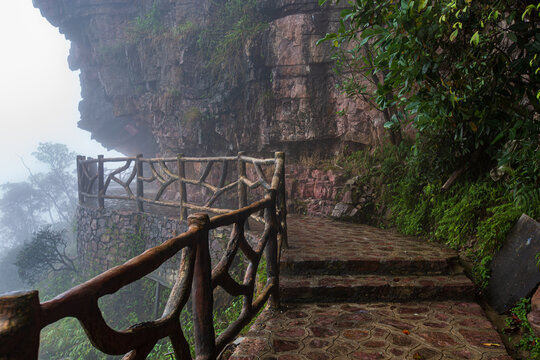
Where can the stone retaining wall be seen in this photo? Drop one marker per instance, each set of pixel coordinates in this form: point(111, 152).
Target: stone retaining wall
point(311, 191)
point(109, 237)
point(330, 192)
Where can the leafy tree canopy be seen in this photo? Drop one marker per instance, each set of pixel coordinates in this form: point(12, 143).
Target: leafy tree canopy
point(465, 74)
point(46, 252)
point(47, 197)
point(21, 206)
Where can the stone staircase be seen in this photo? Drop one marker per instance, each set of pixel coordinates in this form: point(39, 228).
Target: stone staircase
point(351, 291)
point(330, 261)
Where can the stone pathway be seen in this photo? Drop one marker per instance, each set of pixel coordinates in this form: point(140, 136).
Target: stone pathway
point(355, 292)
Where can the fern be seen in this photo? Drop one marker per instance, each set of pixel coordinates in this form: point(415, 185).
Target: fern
point(528, 199)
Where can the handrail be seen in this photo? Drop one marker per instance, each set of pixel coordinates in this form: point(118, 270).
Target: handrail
point(93, 183)
point(22, 317)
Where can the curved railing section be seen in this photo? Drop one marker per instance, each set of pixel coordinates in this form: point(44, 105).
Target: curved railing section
point(149, 180)
point(22, 316)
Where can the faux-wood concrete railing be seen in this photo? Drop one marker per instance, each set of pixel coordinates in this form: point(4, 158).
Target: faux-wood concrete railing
point(22, 316)
point(167, 172)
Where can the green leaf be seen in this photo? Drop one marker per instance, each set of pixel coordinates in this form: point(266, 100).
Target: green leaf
point(388, 125)
point(475, 39)
point(454, 34)
point(528, 9)
point(422, 4)
point(512, 36)
point(326, 38)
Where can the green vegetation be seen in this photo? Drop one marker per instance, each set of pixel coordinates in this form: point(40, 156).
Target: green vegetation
point(463, 73)
point(234, 23)
point(475, 215)
point(221, 44)
point(45, 252)
point(465, 76)
point(29, 210)
point(146, 25)
point(518, 322)
point(131, 305)
point(193, 115)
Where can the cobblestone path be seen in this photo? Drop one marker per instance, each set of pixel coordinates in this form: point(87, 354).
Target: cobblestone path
point(351, 291)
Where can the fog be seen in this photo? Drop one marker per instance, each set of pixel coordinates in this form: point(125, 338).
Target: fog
point(39, 103)
point(39, 93)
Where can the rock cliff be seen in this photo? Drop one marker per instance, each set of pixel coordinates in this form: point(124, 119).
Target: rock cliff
point(147, 86)
point(210, 76)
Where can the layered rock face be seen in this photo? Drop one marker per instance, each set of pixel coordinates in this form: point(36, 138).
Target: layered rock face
point(149, 86)
point(153, 93)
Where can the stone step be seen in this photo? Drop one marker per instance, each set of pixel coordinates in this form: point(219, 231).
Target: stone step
point(365, 288)
point(371, 265)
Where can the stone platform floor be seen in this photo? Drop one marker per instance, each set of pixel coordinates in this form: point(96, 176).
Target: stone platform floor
point(317, 243)
point(420, 330)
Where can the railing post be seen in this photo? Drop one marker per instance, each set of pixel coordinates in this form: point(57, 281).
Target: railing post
point(156, 302)
point(282, 200)
point(202, 301)
point(80, 178)
point(101, 201)
point(19, 326)
point(242, 194)
point(140, 186)
point(271, 250)
point(182, 186)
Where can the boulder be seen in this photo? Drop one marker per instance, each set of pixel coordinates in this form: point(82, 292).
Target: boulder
point(342, 209)
point(514, 272)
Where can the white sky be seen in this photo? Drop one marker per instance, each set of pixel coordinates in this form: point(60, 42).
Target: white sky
point(39, 95)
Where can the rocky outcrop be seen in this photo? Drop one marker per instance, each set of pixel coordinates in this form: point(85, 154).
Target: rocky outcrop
point(146, 86)
point(152, 82)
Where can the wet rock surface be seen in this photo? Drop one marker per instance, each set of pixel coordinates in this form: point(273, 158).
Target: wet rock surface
point(153, 92)
point(514, 272)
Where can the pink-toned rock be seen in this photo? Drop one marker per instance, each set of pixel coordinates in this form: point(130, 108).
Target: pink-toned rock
point(355, 334)
point(315, 355)
point(438, 339)
point(293, 333)
point(280, 345)
point(322, 332)
point(534, 315)
point(347, 197)
point(155, 97)
point(360, 355)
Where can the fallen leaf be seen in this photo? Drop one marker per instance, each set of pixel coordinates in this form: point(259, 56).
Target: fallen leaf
point(417, 356)
point(406, 332)
point(491, 344)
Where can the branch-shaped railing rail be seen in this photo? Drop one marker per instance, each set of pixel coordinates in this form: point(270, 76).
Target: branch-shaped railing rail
point(22, 316)
point(164, 172)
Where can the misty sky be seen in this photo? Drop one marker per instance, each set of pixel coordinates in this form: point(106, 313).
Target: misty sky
point(39, 95)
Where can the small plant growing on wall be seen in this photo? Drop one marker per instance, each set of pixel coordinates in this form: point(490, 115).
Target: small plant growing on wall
point(147, 24)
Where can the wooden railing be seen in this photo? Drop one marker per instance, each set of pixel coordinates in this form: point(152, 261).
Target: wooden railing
point(22, 316)
point(168, 174)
